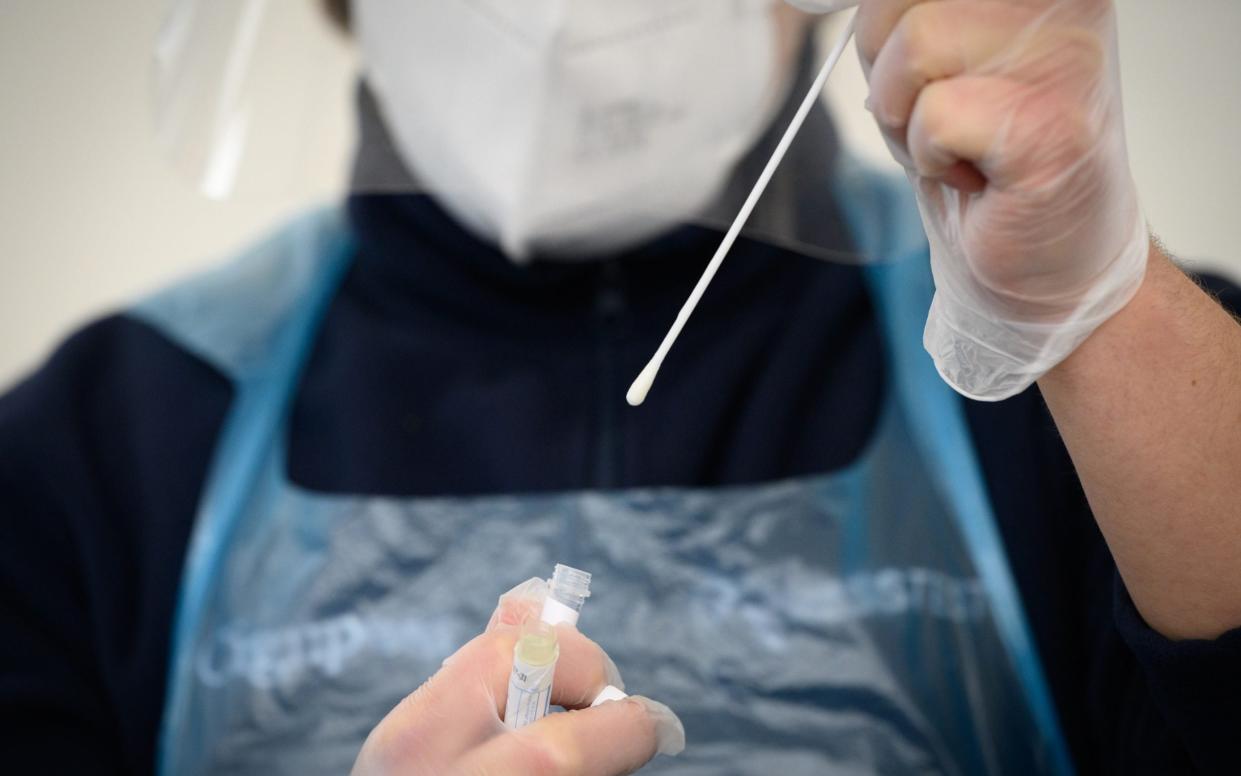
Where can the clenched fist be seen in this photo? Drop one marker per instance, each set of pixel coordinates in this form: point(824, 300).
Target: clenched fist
point(1007, 116)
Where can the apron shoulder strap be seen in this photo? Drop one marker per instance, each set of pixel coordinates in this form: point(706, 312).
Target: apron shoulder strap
point(255, 319)
point(231, 315)
point(886, 226)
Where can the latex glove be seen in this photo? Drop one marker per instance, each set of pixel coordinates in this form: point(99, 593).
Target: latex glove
point(1031, 256)
point(1007, 116)
point(451, 724)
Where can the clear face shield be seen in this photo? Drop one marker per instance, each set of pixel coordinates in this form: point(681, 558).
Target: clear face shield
point(556, 129)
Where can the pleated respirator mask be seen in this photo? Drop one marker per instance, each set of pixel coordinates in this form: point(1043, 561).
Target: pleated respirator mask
point(573, 128)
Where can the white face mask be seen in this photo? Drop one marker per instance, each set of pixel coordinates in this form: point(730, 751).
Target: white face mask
point(572, 128)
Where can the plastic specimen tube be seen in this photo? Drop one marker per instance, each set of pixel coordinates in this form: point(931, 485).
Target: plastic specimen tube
point(534, 664)
point(569, 590)
point(536, 652)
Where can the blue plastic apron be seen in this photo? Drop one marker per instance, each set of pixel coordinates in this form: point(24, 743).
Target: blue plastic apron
point(862, 621)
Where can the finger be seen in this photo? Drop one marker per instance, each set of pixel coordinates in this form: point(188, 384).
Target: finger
point(958, 121)
point(454, 703)
point(524, 600)
point(471, 688)
point(965, 178)
point(582, 671)
point(875, 21)
point(613, 738)
point(939, 40)
point(1012, 133)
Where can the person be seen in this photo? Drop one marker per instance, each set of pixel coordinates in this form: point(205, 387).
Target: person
point(246, 518)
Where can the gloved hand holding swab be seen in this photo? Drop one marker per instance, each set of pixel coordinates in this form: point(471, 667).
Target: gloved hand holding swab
point(642, 385)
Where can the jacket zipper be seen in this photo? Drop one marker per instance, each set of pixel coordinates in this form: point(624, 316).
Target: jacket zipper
point(610, 306)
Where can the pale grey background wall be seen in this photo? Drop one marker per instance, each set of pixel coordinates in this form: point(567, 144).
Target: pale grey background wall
point(91, 216)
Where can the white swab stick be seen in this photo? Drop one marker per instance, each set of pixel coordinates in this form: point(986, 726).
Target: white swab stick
point(637, 392)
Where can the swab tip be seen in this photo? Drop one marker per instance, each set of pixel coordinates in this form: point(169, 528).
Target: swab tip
point(642, 384)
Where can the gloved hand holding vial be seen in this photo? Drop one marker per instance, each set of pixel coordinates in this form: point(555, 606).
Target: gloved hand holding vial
point(453, 723)
point(537, 650)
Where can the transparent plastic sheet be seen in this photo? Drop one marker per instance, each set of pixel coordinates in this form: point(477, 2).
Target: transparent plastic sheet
point(246, 95)
point(789, 629)
point(237, 112)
